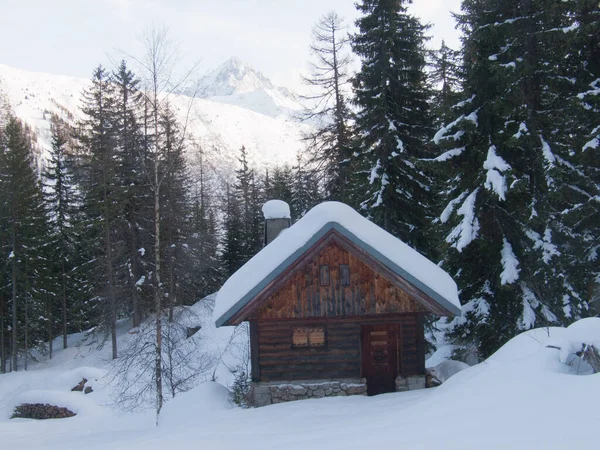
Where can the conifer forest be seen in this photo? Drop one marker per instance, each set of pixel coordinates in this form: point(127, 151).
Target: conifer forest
point(484, 158)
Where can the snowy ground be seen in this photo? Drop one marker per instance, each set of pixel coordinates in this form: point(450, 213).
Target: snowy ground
point(523, 397)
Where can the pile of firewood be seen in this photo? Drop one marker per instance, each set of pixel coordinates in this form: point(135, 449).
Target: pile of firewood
point(41, 411)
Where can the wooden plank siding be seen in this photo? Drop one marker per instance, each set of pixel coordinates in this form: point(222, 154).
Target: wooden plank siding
point(319, 289)
point(277, 360)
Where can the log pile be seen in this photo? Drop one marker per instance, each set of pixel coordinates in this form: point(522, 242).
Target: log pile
point(41, 411)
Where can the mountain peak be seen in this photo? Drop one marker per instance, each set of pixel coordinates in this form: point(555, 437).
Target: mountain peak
point(234, 76)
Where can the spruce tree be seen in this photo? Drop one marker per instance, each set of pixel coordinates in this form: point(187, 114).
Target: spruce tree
point(393, 120)
point(24, 228)
point(100, 186)
point(580, 208)
point(61, 201)
point(233, 228)
point(506, 166)
point(305, 189)
point(135, 203)
point(174, 209)
point(445, 76)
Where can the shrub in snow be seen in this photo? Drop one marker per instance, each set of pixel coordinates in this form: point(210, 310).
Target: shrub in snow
point(185, 361)
point(241, 390)
point(581, 346)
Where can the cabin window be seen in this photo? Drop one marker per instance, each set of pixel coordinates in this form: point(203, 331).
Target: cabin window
point(344, 275)
point(324, 275)
point(308, 337)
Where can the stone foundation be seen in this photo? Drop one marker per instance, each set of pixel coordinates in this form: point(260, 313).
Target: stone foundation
point(410, 383)
point(268, 393)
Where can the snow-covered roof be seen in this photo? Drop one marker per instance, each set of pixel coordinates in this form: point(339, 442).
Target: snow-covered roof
point(273, 259)
point(276, 209)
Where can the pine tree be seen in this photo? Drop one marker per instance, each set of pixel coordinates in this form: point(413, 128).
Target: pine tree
point(61, 199)
point(279, 185)
point(329, 144)
point(24, 227)
point(580, 210)
point(134, 200)
point(506, 167)
point(445, 75)
point(174, 209)
point(100, 185)
point(233, 240)
point(305, 189)
point(393, 119)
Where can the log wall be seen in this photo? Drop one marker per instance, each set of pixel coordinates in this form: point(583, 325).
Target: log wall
point(276, 360)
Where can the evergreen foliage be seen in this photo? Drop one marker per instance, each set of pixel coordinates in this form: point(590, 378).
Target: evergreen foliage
point(508, 165)
point(23, 247)
point(393, 121)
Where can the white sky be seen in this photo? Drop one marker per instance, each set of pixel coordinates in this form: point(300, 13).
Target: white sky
point(71, 37)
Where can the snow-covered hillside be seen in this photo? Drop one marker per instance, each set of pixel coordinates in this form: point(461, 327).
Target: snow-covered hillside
point(526, 396)
point(235, 105)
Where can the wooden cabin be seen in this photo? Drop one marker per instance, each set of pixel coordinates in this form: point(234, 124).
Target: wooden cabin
point(336, 307)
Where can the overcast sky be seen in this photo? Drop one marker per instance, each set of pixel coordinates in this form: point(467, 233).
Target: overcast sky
point(71, 37)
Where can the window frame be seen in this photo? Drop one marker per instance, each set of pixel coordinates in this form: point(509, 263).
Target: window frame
point(309, 345)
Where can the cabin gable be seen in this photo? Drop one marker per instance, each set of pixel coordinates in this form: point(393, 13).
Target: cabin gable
point(336, 281)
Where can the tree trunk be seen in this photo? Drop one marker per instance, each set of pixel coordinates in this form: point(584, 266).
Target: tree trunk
point(157, 293)
point(2, 342)
point(63, 292)
point(111, 279)
point(50, 321)
point(135, 301)
point(157, 268)
point(14, 366)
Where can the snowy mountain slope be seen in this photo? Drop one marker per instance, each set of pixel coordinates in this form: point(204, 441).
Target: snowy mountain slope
point(238, 83)
point(252, 112)
point(523, 397)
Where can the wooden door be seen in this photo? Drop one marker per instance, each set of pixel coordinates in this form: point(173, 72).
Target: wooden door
point(380, 357)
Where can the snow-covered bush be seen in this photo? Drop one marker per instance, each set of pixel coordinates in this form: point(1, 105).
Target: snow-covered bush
point(241, 393)
point(581, 346)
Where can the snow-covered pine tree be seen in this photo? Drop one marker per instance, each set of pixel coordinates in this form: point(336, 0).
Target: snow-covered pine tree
point(62, 202)
point(100, 188)
point(135, 202)
point(175, 210)
point(248, 193)
point(23, 232)
point(503, 165)
point(580, 209)
point(329, 145)
point(393, 121)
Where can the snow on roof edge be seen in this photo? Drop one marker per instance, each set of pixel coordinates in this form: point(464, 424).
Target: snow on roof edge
point(270, 262)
